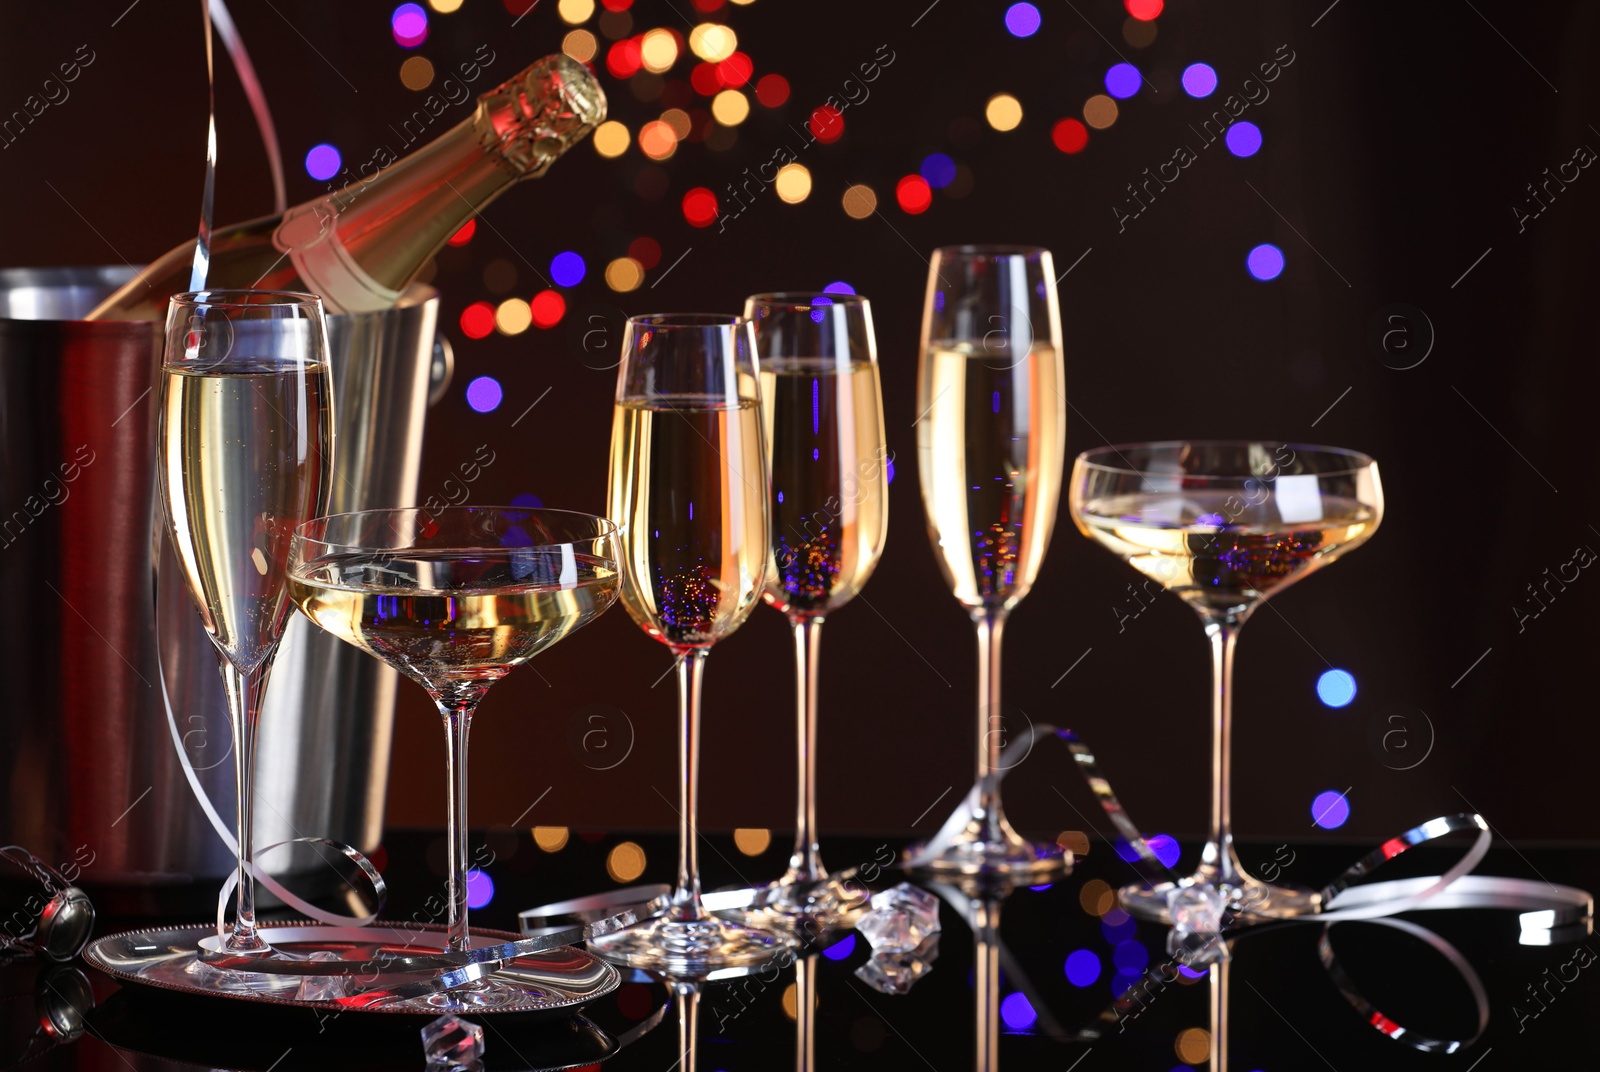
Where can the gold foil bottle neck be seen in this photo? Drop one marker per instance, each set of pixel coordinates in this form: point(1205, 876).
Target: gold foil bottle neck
point(535, 117)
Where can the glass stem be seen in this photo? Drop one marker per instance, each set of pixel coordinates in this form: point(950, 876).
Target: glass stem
point(456, 702)
point(986, 983)
point(686, 898)
point(1219, 1015)
point(688, 1026)
point(805, 1002)
point(805, 865)
point(1218, 856)
point(991, 726)
point(244, 689)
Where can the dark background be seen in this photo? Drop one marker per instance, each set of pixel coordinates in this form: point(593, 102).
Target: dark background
point(1396, 144)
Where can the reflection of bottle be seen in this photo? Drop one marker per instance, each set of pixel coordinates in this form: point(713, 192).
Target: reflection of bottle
point(40, 911)
point(358, 248)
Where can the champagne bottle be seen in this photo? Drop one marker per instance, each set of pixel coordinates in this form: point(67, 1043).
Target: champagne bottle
point(358, 247)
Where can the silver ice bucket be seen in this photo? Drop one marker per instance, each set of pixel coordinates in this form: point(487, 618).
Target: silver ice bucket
point(89, 777)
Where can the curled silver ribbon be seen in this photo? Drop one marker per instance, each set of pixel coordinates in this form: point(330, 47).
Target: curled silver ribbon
point(1548, 912)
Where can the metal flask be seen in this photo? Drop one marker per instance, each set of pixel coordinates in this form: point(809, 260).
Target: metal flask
point(89, 776)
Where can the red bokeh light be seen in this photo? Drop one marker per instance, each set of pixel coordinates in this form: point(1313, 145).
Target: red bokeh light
point(520, 8)
point(700, 207)
point(827, 125)
point(548, 308)
point(616, 5)
point(622, 58)
point(735, 71)
point(463, 236)
point(706, 7)
point(477, 320)
point(647, 251)
point(705, 80)
point(1070, 136)
point(914, 194)
point(772, 90)
point(1143, 10)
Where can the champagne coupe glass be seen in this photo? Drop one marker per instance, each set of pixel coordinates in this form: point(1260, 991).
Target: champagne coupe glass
point(455, 599)
point(990, 434)
point(689, 493)
point(822, 411)
point(245, 440)
point(1224, 525)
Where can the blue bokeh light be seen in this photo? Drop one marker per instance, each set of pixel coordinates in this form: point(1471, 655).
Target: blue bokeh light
point(567, 269)
point(480, 889)
point(528, 499)
point(939, 169)
point(1122, 982)
point(1117, 926)
point(1199, 80)
point(1130, 957)
point(1243, 138)
point(1165, 846)
point(1330, 810)
point(841, 949)
point(1336, 688)
point(1017, 1011)
point(1022, 20)
point(1082, 967)
point(323, 162)
point(1265, 262)
point(484, 394)
point(840, 287)
point(1123, 80)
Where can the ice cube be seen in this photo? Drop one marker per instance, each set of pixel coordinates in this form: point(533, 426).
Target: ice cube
point(894, 973)
point(322, 987)
point(1196, 935)
point(453, 1044)
point(900, 919)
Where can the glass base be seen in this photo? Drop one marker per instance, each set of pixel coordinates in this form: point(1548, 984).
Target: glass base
point(230, 981)
point(806, 909)
point(486, 995)
point(1252, 900)
point(995, 850)
point(690, 946)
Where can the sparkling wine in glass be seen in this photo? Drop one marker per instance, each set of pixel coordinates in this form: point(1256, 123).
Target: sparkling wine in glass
point(1224, 525)
point(991, 432)
point(245, 441)
point(689, 494)
point(455, 599)
point(822, 412)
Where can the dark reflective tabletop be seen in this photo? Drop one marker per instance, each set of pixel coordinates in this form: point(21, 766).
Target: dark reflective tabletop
point(1025, 981)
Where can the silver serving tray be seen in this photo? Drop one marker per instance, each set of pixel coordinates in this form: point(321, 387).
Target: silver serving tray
point(166, 958)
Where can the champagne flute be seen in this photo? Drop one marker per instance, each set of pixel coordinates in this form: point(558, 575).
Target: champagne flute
point(455, 599)
point(689, 493)
point(245, 454)
point(990, 434)
point(1224, 525)
point(822, 412)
